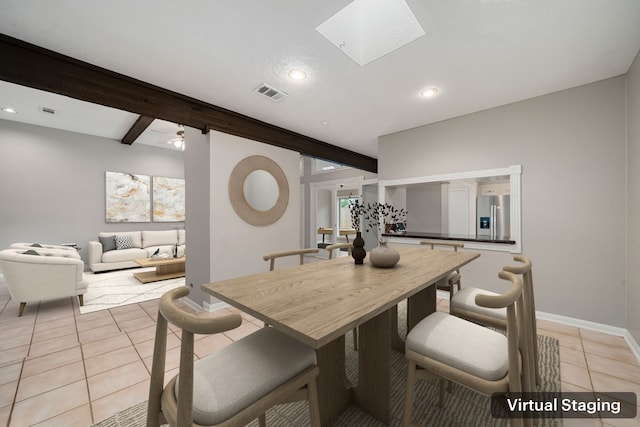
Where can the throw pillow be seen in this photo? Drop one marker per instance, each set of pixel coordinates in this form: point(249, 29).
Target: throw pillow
point(124, 242)
point(30, 252)
point(108, 243)
point(36, 245)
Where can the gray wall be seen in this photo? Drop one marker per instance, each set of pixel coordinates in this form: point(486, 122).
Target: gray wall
point(572, 146)
point(633, 211)
point(424, 208)
point(53, 183)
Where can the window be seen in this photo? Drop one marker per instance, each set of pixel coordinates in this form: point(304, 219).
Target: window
point(344, 214)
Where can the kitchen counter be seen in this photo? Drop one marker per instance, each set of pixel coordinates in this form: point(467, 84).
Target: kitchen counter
point(441, 236)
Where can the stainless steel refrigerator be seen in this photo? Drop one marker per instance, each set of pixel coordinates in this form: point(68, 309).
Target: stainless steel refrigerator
point(493, 215)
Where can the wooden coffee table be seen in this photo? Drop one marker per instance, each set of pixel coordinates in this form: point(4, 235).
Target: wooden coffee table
point(166, 268)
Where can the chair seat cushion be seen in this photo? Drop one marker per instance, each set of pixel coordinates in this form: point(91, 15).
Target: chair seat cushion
point(124, 255)
point(465, 299)
point(462, 344)
point(234, 377)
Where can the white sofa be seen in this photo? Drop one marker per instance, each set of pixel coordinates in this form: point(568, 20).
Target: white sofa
point(37, 274)
point(114, 251)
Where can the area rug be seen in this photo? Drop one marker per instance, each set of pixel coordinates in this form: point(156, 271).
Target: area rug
point(115, 288)
point(463, 407)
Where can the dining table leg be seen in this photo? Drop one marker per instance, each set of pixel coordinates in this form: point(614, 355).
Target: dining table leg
point(373, 392)
point(420, 305)
point(334, 394)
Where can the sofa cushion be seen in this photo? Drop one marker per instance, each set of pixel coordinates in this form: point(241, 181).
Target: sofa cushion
point(159, 238)
point(108, 243)
point(124, 242)
point(136, 236)
point(124, 255)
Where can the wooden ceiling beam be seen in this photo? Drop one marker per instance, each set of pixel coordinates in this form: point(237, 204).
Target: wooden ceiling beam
point(29, 65)
point(136, 130)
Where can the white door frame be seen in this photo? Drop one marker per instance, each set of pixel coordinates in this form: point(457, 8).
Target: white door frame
point(334, 186)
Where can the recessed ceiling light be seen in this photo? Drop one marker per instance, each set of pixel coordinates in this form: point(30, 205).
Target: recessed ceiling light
point(297, 74)
point(324, 123)
point(9, 110)
point(429, 92)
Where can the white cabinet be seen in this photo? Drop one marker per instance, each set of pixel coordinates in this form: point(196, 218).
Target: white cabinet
point(494, 189)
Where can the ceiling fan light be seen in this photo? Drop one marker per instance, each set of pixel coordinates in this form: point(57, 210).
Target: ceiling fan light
point(429, 92)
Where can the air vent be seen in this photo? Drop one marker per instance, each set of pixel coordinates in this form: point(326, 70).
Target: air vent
point(271, 92)
point(47, 110)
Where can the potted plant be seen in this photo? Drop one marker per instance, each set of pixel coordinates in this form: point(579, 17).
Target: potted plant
point(383, 218)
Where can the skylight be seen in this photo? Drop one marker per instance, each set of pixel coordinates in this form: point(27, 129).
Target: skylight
point(368, 29)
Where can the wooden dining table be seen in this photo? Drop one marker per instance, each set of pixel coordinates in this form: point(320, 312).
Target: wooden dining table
point(318, 303)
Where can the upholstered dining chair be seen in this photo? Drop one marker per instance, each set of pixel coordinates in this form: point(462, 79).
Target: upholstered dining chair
point(339, 246)
point(300, 252)
point(234, 385)
point(469, 354)
point(452, 279)
point(463, 304)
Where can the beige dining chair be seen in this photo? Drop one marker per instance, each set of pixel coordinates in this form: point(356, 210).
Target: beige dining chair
point(452, 279)
point(234, 385)
point(463, 304)
point(482, 359)
point(300, 252)
point(339, 246)
point(295, 252)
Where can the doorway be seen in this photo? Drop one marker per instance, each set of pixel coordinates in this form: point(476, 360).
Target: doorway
point(329, 211)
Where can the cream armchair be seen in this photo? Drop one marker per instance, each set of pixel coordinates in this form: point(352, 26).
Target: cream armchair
point(44, 246)
point(42, 274)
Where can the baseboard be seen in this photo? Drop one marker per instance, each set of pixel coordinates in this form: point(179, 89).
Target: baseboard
point(205, 305)
point(593, 326)
point(215, 306)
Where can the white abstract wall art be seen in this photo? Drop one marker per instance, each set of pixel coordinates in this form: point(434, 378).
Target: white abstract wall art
point(128, 197)
point(168, 199)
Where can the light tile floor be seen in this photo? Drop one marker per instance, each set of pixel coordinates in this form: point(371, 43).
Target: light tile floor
point(61, 368)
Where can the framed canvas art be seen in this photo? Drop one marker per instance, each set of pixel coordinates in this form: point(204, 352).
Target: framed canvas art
point(128, 197)
point(168, 199)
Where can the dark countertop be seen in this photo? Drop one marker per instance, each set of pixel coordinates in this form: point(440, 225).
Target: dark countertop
point(441, 236)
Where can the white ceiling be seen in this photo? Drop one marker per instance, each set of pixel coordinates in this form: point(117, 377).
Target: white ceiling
point(478, 53)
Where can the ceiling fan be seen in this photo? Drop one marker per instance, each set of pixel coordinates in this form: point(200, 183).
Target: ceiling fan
point(178, 141)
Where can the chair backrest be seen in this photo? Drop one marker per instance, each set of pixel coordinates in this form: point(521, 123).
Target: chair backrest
point(190, 324)
point(331, 248)
point(447, 283)
point(518, 330)
point(530, 308)
point(434, 243)
point(301, 252)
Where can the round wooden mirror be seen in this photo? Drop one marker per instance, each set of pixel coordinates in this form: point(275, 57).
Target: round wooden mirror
point(258, 190)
